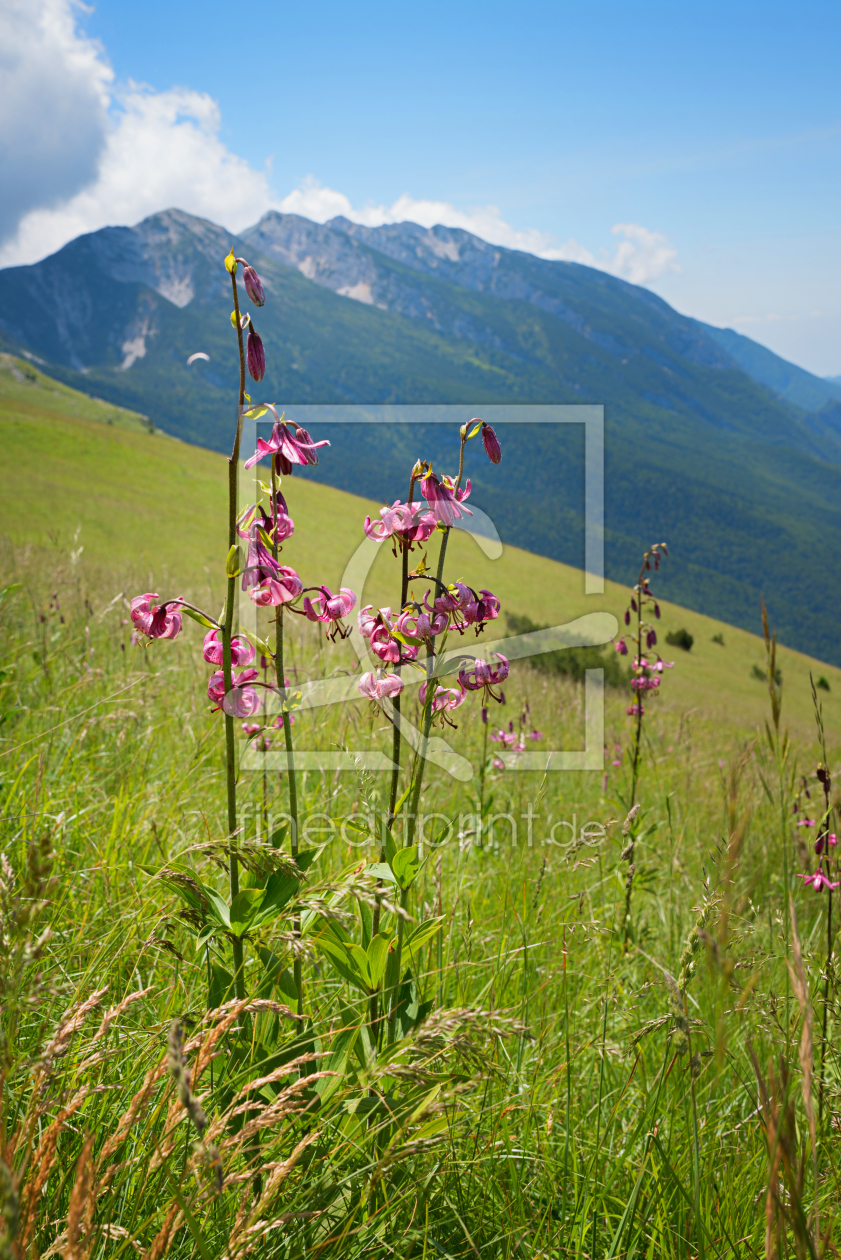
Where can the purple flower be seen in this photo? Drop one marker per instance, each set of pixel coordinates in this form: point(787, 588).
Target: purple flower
point(409, 521)
point(444, 699)
point(255, 355)
point(824, 840)
point(285, 586)
point(485, 676)
point(818, 881)
point(622, 647)
point(325, 606)
point(498, 763)
point(253, 284)
point(157, 621)
point(242, 700)
point(444, 499)
point(491, 441)
point(288, 448)
point(242, 653)
point(377, 687)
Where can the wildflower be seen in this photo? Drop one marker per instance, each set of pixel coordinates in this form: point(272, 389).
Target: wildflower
point(484, 675)
point(825, 840)
point(387, 648)
point(288, 448)
point(253, 284)
point(285, 586)
point(617, 762)
point(410, 522)
point(479, 610)
point(255, 355)
point(622, 647)
point(444, 499)
point(535, 734)
point(327, 607)
point(377, 687)
point(242, 700)
point(818, 881)
point(251, 728)
point(498, 763)
point(635, 710)
point(242, 653)
point(806, 822)
point(491, 442)
point(157, 621)
point(444, 699)
point(366, 622)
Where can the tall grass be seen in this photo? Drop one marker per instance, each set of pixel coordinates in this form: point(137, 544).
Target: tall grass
point(563, 1096)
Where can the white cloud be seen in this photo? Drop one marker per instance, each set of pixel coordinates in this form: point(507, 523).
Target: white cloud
point(76, 154)
point(53, 107)
point(161, 149)
point(641, 257)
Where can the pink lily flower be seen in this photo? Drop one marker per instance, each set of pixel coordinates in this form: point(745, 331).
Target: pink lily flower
point(819, 881)
point(633, 710)
point(806, 822)
point(251, 728)
point(242, 653)
point(622, 647)
point(366, 622)
point(444, 499)
point(377, 687)
point(409, 521)
point(444, 699)
point(279, 590)
point(297, 448)
point(485, 676)
point(242, 701)
point(330, 607)
point(156, 621)
point(498, 763)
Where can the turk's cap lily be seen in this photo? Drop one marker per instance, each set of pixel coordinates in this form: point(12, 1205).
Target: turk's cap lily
point(367, 622)
point(378, 686)
point(325, 606)
point(253, 284)
point(281, 589)
point(156, 621)
point(409, 521)
point(242, 653)
point(242, 700)
point(483, 674)
point(289, 448)
point(444, 499)
point(444, 699)
point(255, 355)
point(491, 444)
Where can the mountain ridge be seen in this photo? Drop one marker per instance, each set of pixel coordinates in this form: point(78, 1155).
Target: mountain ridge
point(742, 483)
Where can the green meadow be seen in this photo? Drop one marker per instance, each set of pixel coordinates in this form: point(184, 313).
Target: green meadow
point(559, 1081)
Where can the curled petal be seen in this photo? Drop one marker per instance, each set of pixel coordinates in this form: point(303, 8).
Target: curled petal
point(376, 686)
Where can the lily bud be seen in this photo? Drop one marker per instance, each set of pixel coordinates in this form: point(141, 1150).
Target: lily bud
point(253, 286)
point(231, 263)
point(255, 355)
point(491, 441)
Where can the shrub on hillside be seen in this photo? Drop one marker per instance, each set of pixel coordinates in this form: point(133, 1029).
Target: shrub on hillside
point(680, 638)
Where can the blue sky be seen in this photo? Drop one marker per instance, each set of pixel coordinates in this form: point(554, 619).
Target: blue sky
point(701, 141)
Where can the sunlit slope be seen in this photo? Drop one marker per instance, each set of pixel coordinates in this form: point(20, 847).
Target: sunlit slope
point(77, 472)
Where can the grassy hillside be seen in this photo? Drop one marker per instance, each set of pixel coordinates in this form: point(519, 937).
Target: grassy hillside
point(78, 472)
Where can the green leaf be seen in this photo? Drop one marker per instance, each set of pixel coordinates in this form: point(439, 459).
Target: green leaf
point(381, 870)
point(218, 906)
point(342, 962)
point(200, 618)
point(406, 865)
point(359, 959)
point(341, 1048)
point(474, 430)
point(423, 933)
point(366, 914)
point(254, 413)
point(233, 564)
point(279, 891)
point(243, 909)
point(221, 985)
point(377, 956)
point(406, 638)
point(277, 837)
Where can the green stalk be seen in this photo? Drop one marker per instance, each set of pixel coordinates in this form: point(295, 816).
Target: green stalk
point(227, 635)
point(419, 765)
point(290, 757)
